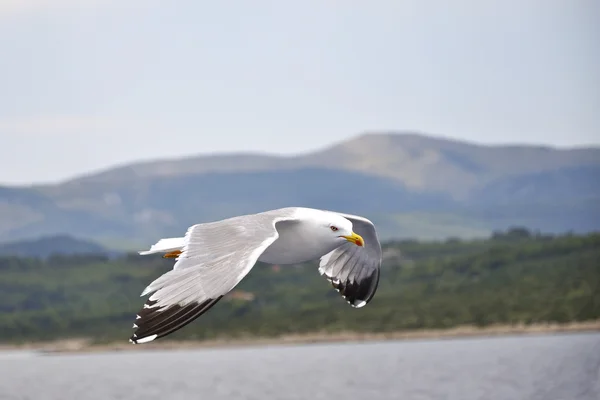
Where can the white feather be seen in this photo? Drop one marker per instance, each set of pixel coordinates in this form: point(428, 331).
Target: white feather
point(165, 245)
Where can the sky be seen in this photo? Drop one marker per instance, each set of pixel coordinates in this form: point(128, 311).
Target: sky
point(85, 85)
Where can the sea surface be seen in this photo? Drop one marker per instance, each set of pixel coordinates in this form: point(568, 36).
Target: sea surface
point(545, 367)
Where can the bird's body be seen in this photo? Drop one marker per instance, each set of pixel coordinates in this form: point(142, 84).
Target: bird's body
point(297, 242)
point(214, 257)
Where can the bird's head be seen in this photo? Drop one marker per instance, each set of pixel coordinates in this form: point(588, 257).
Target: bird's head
point(341, 229)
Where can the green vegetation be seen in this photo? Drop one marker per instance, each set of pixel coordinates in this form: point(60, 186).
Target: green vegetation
point(512, 277)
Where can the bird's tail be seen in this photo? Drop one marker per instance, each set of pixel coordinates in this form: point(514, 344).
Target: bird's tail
point(171, 246)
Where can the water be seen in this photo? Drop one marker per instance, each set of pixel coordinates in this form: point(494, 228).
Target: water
point(512, 368)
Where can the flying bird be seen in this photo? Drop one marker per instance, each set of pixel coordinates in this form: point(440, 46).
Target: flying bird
point(212, 258)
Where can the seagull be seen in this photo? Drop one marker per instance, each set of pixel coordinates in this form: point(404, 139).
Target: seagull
point(212, 258)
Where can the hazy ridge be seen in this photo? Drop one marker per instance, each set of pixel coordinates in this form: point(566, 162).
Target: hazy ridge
point(411, 185)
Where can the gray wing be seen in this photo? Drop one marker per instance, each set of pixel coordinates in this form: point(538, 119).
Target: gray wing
point(215, 258)
point(352, 270)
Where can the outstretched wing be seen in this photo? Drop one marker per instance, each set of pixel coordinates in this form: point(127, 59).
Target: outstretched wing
point(215, 258)
point(352, 270)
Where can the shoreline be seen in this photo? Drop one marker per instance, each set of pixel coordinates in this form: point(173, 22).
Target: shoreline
point(84, 345)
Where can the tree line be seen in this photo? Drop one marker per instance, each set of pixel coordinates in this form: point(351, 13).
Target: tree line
point(517, 276)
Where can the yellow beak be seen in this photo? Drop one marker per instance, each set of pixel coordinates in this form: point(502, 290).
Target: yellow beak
point(356, 239)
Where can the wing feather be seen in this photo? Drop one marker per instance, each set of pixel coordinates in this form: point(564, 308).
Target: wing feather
point(215, 257)
point(354, 271)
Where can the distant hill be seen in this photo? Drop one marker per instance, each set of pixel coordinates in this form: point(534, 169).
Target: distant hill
point(418, 161)
point(411, 185)
point(51, 245)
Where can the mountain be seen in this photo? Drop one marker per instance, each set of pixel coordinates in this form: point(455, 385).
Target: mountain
point(411, 185)
point(51, 245)
point(420, 162)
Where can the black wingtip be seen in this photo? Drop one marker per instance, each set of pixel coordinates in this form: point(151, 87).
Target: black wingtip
point(357, 293)
point(154, 322)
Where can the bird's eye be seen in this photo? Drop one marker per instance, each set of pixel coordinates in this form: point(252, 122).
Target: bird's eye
point(334, 228)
